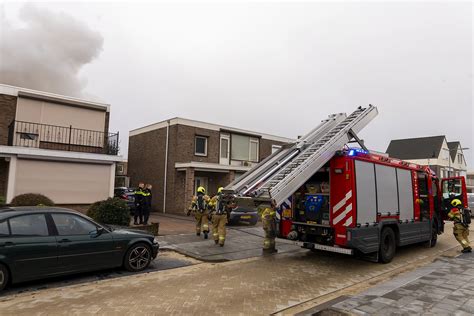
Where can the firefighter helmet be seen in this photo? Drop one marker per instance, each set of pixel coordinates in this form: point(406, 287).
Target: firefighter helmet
point(201, 190)
point(220, 190)
point(456, 202)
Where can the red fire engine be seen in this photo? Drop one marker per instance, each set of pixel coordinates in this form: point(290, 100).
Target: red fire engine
point(372, 205)
point(348, 200)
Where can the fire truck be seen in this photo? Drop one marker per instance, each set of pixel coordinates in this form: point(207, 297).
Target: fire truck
point(333, 197)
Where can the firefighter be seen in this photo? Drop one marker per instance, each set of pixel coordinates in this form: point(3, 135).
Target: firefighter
point(146, 203)
point(139, 204)
point(269, 227)
point(461, 228)
point(199, 207)
point(219, 218)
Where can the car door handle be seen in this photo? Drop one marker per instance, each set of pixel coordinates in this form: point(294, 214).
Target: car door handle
point(6, 244)
point(64, 240)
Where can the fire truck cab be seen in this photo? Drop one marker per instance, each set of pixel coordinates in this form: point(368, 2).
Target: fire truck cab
point(369, 204)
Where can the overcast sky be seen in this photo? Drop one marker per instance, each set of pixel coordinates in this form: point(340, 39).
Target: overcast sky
point(277, 68)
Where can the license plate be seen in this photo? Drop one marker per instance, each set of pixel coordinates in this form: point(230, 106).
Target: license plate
point(246, 217)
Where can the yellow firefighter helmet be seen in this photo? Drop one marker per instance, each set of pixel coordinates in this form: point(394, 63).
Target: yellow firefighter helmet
point(201, 190)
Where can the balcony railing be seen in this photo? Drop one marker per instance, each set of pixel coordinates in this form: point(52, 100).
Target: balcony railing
point(29, 134)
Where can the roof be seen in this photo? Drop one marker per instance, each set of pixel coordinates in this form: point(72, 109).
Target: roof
point(205, 125)
point(18, 210)
point(416, 148)
point(53, 98)
point(453, 149)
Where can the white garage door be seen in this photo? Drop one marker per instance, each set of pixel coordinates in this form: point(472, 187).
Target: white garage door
point(64, 182)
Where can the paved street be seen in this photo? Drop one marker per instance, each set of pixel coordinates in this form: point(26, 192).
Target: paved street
point(261, 285)
point(444, 287)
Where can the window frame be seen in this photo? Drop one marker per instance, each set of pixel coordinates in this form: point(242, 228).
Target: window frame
point(205, 145)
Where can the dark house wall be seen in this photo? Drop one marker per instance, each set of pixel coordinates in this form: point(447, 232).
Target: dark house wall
point(7, 115)
point(146, 154)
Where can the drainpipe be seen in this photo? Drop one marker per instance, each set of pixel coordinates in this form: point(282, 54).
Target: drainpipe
point(166, 166)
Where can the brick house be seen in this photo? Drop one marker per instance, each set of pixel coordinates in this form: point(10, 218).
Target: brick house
point(55, 145)
point(178, 155)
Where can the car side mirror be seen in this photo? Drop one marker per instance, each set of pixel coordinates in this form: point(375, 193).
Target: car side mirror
point(100, 231)
point(97, 233)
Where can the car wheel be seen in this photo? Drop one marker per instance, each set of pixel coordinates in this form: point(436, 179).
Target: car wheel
point(138, 257)
point(388, 245)
point(4, 276)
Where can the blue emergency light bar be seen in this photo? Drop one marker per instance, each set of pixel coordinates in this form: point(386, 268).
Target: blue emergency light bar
point(356, 151)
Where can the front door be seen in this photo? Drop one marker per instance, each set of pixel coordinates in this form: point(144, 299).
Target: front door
point(224, 156)
point(200, 182)
point(81, 248)
point(29, 247)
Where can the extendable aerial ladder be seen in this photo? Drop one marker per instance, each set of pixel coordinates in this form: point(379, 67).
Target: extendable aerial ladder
point(281, 174)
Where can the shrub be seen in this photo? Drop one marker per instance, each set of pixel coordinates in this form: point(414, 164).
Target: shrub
point(2, 200)
point(31, 199)
point(113, 211)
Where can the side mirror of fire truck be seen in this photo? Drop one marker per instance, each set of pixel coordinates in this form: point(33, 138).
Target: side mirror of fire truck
point(454, 188)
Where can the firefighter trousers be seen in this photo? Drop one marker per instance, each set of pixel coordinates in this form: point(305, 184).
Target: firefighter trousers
point(461, 233)
point(269, 228)
point(218, 228)
point(202, 222)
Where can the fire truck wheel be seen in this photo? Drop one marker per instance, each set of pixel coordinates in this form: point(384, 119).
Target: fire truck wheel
point(388, 245)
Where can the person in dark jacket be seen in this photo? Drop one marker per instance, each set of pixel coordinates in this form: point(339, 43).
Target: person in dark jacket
point(147, 203)
point(139, 204)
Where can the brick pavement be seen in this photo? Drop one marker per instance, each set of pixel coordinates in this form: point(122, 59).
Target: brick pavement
point(444, 287)
point(241, 243)
point(254, 286)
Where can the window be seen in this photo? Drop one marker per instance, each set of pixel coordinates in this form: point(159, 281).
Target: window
point(244, 148)
point(423, 196)
point(460, 158)
point(254, 149)
point(119, 168)
point(4, 230)
point(28, 136)
point(29, 225)
point(275, 148)
point(68, 224)
point(224, 148)
point(200, 146)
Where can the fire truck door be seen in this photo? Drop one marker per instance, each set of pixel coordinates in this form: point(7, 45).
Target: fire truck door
point(454, 188)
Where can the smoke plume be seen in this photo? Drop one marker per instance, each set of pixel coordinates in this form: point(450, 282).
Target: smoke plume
point(47, 52)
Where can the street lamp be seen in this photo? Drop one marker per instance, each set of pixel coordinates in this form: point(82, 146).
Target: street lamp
point(449, 157)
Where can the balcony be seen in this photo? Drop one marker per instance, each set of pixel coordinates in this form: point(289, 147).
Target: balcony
point(29, 134)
